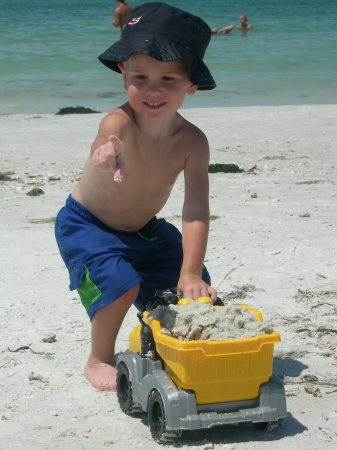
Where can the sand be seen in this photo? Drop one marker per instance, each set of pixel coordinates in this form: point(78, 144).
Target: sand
point(272, 245)
point(197, 321)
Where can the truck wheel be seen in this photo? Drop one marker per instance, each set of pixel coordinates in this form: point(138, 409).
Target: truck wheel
point(124, 390)
point(157, 420)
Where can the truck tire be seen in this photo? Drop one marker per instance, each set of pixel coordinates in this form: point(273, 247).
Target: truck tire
point(124, 390)
point(157, 420)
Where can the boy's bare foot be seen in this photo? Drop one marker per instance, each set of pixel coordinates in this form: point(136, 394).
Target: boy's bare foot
point(101, 375)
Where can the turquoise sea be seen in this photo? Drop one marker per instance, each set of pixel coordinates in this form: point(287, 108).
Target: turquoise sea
point(49, 49)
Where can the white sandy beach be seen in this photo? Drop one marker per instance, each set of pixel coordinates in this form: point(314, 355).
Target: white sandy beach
point(272, 245)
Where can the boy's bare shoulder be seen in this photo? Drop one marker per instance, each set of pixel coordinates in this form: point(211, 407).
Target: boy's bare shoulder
point(193, 134)
point(116, 122)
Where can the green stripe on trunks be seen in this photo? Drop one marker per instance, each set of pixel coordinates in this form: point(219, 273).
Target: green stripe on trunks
point(149, 239)
point(88, 290)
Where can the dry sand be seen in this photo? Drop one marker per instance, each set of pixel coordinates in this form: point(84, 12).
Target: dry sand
point(272, 245)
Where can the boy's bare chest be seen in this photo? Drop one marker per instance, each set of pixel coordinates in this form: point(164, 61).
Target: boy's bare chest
point(154, 163)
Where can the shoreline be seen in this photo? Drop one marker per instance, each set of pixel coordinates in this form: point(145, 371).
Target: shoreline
point(188, 108)
point(95, 110)
point(271, 245)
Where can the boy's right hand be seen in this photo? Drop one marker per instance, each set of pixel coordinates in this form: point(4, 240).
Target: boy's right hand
point(108, 157)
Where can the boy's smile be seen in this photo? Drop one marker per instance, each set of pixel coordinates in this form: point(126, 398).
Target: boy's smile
point(154, 105)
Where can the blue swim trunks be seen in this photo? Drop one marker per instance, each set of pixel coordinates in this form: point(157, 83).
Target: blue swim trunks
point(104, 264)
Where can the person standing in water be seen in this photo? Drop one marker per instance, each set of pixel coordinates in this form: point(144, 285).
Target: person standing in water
point(121, 14)
point(244, 25)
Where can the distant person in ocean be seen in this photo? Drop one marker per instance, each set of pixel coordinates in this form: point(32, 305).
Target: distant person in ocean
point(225, 30)
point(244, 25)
point(121, 14)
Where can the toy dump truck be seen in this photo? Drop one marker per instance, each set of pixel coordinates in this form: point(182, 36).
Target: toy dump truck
point(189, 385)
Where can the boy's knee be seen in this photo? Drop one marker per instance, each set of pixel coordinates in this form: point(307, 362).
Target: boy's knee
point(120, 305)
point(127, 299)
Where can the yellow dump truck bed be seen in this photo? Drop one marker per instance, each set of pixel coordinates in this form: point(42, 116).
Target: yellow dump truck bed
point(216, 371)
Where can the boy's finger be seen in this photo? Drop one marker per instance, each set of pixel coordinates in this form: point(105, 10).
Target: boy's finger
point(205, 292)
point(212, 293)
point(109, 155)
point(117, 169)
point(117, 143)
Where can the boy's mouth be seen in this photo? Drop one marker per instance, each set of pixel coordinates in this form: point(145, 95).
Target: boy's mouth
point(154, 105)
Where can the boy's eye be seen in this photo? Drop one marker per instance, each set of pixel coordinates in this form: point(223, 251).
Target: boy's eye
point(168, 78)
point(140, 77)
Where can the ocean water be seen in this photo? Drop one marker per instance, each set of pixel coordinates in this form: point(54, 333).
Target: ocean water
point(49, 49)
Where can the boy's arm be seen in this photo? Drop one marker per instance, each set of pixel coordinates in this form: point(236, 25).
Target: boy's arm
point(195, 222)
point(107, 148)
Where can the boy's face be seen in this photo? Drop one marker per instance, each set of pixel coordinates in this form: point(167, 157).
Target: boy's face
point(155, 88)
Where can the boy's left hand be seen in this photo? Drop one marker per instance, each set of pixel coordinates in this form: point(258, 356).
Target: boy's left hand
point(192, 286)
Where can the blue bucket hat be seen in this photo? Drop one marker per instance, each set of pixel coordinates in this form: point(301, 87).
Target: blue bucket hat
point(165, 33)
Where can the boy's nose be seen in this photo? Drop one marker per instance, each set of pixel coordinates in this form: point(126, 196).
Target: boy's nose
point(154, 86)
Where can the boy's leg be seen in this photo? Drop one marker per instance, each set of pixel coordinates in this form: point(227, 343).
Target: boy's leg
point(106, 322)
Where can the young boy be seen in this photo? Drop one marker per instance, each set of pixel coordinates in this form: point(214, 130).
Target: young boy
point(117, 252)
